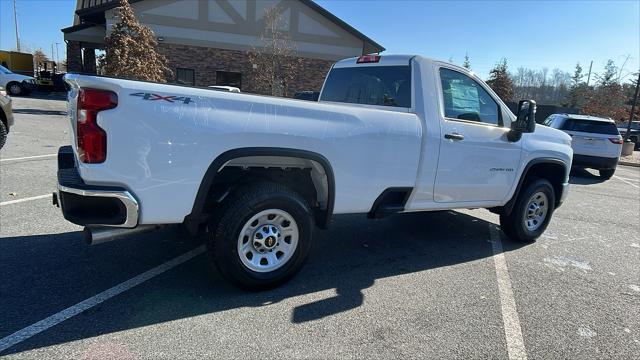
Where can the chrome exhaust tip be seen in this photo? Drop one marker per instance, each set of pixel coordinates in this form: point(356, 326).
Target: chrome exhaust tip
point(101, 234)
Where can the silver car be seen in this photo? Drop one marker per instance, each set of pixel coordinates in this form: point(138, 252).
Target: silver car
point(6, 116)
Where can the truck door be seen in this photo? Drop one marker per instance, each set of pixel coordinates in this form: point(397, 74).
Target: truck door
point(476, 163)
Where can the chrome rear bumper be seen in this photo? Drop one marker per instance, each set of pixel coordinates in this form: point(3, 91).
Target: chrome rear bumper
point(91, 205)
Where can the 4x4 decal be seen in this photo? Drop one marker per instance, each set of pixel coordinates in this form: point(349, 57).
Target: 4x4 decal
point(169, 98)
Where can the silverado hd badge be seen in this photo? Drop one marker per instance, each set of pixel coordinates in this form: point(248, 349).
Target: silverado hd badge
point(169, 98)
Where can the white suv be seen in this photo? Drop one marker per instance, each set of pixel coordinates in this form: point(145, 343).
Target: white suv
point(596, 142)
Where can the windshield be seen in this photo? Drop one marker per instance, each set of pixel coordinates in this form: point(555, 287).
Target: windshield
point(4, 70)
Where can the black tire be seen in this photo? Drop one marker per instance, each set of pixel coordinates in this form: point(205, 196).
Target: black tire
point(235, 212)
point(3, 134)
point(606, 173)
point(513, 225)
point(15, 89)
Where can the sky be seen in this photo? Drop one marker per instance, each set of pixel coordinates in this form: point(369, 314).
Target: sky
point(531, 34)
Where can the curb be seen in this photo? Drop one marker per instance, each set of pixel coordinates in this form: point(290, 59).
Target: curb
point(628, 164)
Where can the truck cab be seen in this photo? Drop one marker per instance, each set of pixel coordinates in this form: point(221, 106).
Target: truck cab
point(468, 157)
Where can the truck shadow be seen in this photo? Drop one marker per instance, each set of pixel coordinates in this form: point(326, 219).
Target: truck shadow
point(350, 257)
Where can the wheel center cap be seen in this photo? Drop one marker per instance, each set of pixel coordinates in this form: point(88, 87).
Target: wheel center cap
point(270, 242)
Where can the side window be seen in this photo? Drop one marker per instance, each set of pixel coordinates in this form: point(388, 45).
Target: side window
point(465, 99)
point(548, 120)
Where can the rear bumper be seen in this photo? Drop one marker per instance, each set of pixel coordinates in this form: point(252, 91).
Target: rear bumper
point(91, 205)
point(595, 162)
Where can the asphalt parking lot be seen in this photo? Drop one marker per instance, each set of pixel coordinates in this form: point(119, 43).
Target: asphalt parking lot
point(440, 285)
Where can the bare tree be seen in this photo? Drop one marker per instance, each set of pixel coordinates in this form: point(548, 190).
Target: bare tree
point(38, 58)
point(275, 63)
point(131, 50)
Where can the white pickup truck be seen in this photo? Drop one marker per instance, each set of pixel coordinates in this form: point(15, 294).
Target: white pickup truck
point(389, 134)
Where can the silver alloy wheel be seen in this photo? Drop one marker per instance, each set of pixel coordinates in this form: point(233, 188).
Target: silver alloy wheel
point(536, 211)
point(15, 89)
point(268, 240)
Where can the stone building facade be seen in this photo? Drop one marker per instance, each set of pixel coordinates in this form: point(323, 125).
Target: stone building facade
point(206, 41)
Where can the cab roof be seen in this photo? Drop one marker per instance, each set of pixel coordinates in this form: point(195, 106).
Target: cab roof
point(382, 60)
point(394, 60)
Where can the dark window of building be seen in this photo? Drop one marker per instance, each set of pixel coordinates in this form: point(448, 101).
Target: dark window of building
point(185, 76)
point(228, 78)
point(371, 85)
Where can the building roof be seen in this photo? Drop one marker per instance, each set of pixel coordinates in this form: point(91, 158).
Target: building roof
point(92, 11)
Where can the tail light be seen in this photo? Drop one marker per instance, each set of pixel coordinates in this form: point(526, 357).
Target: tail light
point(368, 59)
point(616, 141)
point(92, 140)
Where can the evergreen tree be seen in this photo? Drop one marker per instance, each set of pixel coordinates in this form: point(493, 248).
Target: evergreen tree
point(607, 99)
point(578, 88)
point(131, 50)
point(466, 64)
point(500, 81)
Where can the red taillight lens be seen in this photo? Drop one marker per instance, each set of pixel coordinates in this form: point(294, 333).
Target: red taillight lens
point(368, 59)
point(92, 140)
point(616, 141)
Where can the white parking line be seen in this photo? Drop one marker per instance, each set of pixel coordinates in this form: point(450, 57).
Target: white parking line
point(625, 181)
point(25, 199)
point(510, 319)
point(55, 319)
point(620, 177)
point(29, 157)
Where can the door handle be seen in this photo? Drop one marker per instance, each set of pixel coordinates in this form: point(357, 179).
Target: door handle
point(454, 136)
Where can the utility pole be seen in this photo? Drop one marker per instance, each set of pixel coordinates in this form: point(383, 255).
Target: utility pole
point(633, 109)
point(589, 77)
point(15, 21)
point(57, 54)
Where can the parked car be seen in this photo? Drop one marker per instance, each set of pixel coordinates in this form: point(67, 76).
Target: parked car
point(225, 88)
point(6, 116)
point(16, 84)
point(634, 134)
point(307, 95)
point(596, 142)
point(390, 134)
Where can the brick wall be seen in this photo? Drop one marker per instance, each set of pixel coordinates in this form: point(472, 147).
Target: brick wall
point(206, 61)
point(74, 56)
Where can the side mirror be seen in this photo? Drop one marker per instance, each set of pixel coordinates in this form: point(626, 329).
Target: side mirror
point(525, 121)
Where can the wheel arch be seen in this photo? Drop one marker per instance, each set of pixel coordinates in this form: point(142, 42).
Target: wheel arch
point(546, 168)
point(198, 215)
